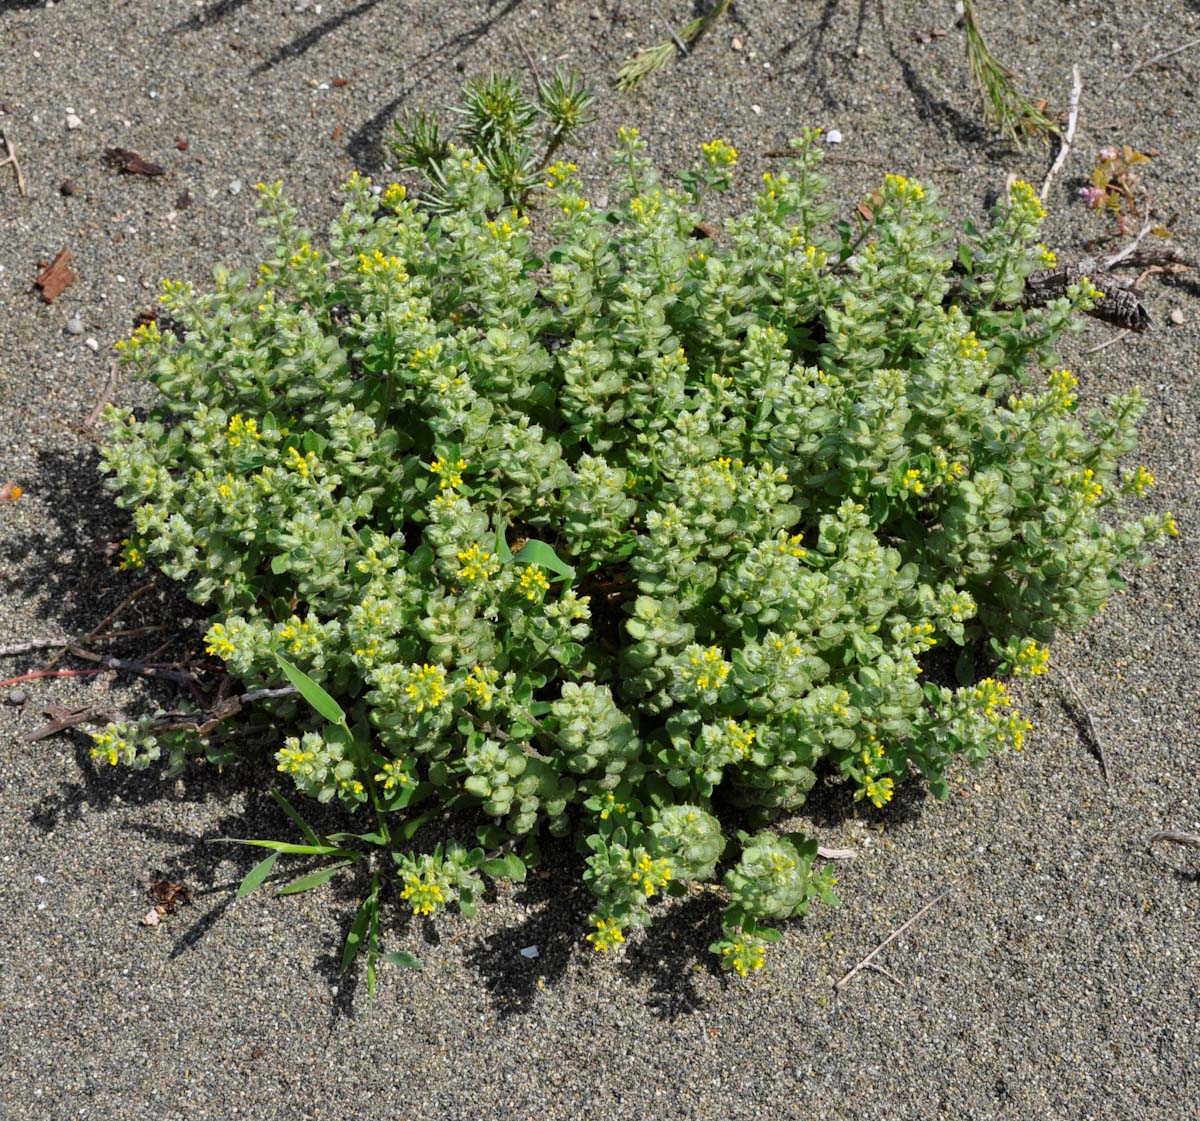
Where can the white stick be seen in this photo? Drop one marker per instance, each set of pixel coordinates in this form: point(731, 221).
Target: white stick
point(1072, 121)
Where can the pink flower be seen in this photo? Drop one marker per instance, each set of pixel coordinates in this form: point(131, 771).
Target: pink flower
point(1093, 196)
point(1109, 153)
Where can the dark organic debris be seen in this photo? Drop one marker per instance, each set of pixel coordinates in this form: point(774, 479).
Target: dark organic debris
point(131, 163)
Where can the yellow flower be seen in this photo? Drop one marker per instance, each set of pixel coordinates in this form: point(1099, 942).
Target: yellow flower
point(392, 775)
point(424, 894)
point(1032, 660)
point(606, 935)
point(912, 481)
point(427, 687)
point(477, 564)
point(880, 791)
point(719, 154)
point(533, 584)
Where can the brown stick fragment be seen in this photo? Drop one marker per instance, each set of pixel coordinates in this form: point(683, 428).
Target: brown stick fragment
point(848, 977)
point(64, 719)
point(56, 277)
point(11, 158)
point(1190, 839)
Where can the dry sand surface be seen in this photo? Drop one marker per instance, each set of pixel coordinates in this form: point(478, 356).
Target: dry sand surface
point(1059, 979)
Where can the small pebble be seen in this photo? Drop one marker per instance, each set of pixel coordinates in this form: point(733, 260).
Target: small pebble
point(1177, 317)
point(69, 188)
point(302, 5)
point(92, 345)
point(235, 186)
point(833, 136)
point(17, 696)
point(735, 43)
point(756, 109)
point(75, 325)
point(73, 122)
point(530, 952)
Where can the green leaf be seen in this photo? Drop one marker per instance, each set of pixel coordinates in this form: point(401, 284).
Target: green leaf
point(408, 830)
point(313, 879)
point(538, 552)
point(256, 875)
point(287, 846)
point(516, 868)
point(310, 834)
point(502, 549)
point(354, 939)
point(312, 692)
point(403, 959)
point(280, 563)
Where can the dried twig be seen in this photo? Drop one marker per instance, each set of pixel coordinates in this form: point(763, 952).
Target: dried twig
point(1131, 248)
point(670, 30)
point(1159, 58)
point(1068, 139)
point(96, 630)
point(848, 977)
point(1190, 839)
point(105, 396)
point(11, 158)
point(36, 644)
point(1109, 342)
point(886, 972)
point(1099, 744)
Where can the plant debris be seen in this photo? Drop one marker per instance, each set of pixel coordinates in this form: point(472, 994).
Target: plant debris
point(131, 163)
point(56, 277)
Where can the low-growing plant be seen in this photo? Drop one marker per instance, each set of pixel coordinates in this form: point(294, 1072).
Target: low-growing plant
point(632, 536)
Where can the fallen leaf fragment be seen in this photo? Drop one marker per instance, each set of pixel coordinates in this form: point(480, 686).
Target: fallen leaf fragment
point(131, 163)
point(56, 277)
point(152, 917)
point(10, 492)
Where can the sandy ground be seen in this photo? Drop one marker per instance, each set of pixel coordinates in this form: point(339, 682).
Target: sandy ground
point(1058, 980)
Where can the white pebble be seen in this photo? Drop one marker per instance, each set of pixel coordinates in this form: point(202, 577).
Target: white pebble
point(235, 186)
point(530, 952)
point(73, 122)
point(75, 325)
point(92, 345)
point(833, 136)
point(736, 43)
point(756, 109)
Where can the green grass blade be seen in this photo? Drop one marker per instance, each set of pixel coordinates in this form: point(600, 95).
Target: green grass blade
point(312, 692)
point(256, 875)
point(354, 939)
point(310, 834)
point(313, 879)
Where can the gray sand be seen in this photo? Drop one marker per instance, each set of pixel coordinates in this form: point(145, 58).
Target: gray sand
point(1059, 980)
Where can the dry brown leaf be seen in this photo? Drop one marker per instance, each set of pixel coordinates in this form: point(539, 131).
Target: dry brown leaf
point(56, 277)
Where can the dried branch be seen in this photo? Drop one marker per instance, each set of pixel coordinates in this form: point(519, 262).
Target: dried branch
point(1190, 839)
point(1159, 58)
point(848, 977)
point(11, 158)
point(1099, 744)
